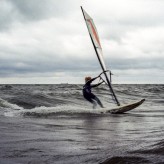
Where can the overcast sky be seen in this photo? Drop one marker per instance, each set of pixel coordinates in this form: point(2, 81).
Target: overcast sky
point(46, 41)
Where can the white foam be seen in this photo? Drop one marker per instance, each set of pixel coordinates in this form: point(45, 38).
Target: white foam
point(6, 104)
point(47, 111)
point(8, 108)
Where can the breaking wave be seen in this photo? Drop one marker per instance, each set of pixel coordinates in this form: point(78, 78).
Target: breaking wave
point(48, 100)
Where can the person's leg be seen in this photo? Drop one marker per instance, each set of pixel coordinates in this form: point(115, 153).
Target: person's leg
point(97, 100)
point(94, 104)
point(89, 97)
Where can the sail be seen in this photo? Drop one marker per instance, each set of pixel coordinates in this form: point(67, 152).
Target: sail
point(94, 37)
point(92, 29)
point(97, 46)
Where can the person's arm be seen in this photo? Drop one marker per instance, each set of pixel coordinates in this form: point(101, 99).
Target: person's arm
point(96, 85)
point(90, 81)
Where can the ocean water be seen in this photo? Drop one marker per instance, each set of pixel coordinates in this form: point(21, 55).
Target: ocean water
point(44, 124)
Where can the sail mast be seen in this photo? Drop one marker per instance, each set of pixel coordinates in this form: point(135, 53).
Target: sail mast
point(96, 45)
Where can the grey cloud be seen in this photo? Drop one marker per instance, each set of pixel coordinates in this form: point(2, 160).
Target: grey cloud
point(12, 67)
point(62, 44)
point(42, 9)
point(6, 14)
point(129, 16)
point(26, 11)
point(144, 63)
point(32, 10)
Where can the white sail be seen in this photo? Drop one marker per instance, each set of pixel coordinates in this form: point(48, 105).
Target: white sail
point(98, 49)
point(95, 37)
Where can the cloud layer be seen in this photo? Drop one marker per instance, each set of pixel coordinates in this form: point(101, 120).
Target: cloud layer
point(47, 41)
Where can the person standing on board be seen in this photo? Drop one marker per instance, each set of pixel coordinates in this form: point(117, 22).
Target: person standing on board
point(87, 93)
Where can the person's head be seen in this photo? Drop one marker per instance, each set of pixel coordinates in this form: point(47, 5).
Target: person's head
point(87, 78)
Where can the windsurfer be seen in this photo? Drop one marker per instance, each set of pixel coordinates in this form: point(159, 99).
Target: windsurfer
point(87, 93)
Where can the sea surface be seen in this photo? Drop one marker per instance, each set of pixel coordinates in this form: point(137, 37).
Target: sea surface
point(44, 124)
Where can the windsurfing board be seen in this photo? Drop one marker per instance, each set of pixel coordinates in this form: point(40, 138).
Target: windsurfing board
point(125, 108)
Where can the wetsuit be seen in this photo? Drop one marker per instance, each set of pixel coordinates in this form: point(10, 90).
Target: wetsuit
point(88, 95)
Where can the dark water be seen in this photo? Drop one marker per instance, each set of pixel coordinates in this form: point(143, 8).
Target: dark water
point(44, 124)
